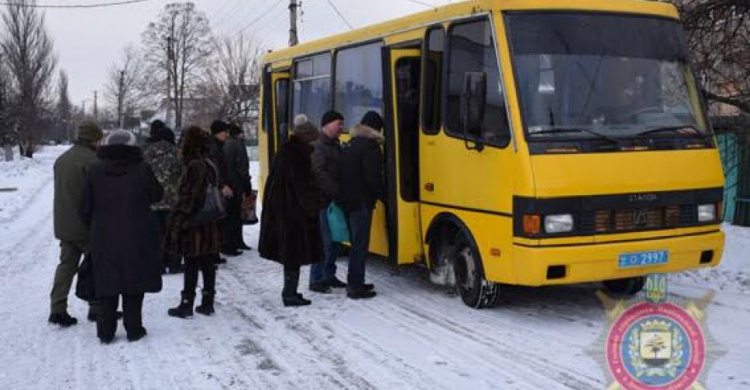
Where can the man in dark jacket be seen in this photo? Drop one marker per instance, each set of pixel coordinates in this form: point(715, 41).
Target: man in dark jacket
point(219, 135)
point(325, 165)
point(238, 176)
point(362, 184)
point(71, 169)
point(116, 204)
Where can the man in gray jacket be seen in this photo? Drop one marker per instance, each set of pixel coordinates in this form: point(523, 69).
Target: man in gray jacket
point(325, 165)
point(70, 176)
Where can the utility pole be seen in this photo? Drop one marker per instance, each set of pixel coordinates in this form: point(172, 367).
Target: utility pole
point(96, 109)
point(293, 23)
point(121, 100)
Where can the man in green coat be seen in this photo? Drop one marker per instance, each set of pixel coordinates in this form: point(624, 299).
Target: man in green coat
point(70, 176)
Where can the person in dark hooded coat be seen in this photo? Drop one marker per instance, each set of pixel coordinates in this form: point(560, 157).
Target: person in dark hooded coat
point(116, 204)
point(289, 230)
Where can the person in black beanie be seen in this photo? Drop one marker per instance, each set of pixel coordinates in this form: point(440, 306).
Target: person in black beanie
point(161, 153)
point(219, 135)
point(362, 185)
point(325, 166)
point(238, 176)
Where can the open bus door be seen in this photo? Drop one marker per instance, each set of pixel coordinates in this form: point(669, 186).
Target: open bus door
point(403, 179)
point(275, 120)
point(281, 121)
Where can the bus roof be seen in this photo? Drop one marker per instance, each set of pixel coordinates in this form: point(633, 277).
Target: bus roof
point(465, 9)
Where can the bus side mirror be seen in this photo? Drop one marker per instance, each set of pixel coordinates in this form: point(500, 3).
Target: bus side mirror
point(473, 102)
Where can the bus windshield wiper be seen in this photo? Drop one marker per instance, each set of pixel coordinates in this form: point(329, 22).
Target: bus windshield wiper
point(558, 130)
point(674, 129)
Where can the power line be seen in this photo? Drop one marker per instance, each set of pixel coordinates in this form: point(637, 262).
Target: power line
point(94, 5)
point(422, 3)
point(266, 12)
point(330, 2)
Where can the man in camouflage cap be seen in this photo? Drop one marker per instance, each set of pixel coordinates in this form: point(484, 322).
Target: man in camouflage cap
point(70, 176)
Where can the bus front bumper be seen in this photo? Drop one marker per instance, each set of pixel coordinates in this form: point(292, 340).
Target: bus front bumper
point(540, 265)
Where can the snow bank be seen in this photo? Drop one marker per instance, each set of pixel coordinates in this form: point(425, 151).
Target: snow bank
point(23, 178)
point(733, 273)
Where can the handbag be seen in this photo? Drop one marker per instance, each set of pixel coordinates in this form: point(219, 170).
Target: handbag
point(249, 215)
point(213, 208)
point(337, 223)
point(85, 281)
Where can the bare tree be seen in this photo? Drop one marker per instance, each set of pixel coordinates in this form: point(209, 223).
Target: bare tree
point(177, 46)
point(125, 83)
point(8, 134)
point(27, 48)
point(229, 88)
point(719, 39)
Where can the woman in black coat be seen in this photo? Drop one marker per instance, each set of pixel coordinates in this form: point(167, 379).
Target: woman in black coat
point(116, 205)
point(198, 244)
point(289, 230)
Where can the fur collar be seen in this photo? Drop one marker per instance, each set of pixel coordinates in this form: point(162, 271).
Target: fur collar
point(363, 131)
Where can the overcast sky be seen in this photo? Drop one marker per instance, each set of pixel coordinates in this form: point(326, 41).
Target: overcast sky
point(88, 41)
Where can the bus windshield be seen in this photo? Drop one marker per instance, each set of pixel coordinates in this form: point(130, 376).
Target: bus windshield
point(603, 75)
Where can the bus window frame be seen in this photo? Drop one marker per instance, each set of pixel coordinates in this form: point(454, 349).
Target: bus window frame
point(289, 121)
point(501, 80)
point(334, 72)
point(435, 130)
point(293, 79)
point(267, 98)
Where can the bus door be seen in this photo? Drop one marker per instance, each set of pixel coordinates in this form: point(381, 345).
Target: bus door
point(281, 123)
point(404, 190)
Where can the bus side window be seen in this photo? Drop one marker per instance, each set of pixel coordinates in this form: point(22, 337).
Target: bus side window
point(312, 87)
point(432, 80)
point(472, 49)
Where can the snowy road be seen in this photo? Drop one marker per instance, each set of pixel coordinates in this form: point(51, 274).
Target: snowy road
point(411, 336)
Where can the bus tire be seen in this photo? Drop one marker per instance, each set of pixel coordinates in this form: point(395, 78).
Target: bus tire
point(471, 284)
point(626, 286)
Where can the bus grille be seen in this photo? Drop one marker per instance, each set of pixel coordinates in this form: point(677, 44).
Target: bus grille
point(630, 220)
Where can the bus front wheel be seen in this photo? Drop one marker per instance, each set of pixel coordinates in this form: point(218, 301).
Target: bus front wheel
point(627, 286)
point(471, 285)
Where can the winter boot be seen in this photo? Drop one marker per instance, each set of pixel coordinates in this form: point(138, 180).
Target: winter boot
point(63, 319)
point(295, 300)
point(289, 295)
point(207, 303)
point(185, 309)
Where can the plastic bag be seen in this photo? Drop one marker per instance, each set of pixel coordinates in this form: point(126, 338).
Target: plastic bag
point(337, 223)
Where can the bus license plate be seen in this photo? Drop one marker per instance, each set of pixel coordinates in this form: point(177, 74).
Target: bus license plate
point(639, 259)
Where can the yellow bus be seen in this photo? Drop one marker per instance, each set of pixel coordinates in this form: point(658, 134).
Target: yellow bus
point(528, 142)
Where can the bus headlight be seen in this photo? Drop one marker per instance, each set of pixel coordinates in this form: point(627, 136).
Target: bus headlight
point(706, 212)
point(559, 223)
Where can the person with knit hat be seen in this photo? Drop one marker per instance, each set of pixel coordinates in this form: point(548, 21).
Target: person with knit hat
point(325, 165)
point(238, 176)
point(116, 203)
point(219, 135)
point(70, 172)
point(362, 185)
point(289, 228)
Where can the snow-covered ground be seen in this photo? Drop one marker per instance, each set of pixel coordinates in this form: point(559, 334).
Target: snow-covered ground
point(413, 335)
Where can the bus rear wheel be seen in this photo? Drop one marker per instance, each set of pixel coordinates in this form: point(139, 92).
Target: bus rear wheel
point(627, 286)
point(471, 285)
